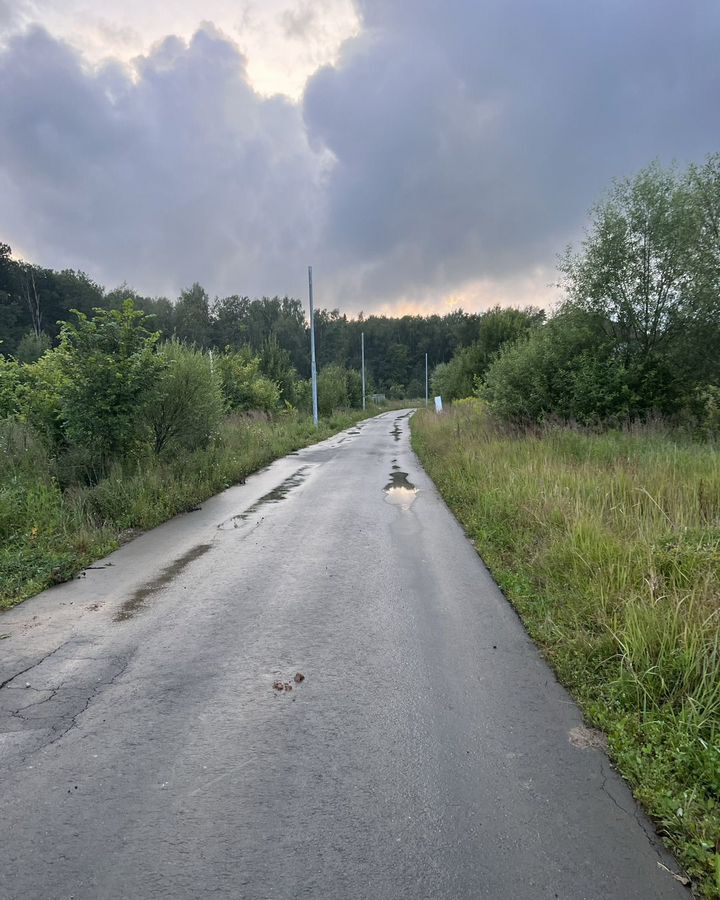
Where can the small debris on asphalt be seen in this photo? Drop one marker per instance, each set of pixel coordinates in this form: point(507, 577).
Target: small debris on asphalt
point(282, 686)
point(27, 684)
point(683, 879)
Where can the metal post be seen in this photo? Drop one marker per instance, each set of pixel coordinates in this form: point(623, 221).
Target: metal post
point(362, 354)
point(313, 367)
point(426, 380)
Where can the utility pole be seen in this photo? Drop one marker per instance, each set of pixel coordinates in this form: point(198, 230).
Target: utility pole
point(362, 355)
point(313, 367)
point(426, 380)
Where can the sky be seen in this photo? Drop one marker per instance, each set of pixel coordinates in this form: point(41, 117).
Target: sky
point(421, 155)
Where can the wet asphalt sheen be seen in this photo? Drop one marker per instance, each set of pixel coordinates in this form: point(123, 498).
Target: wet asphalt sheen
point(428, 753)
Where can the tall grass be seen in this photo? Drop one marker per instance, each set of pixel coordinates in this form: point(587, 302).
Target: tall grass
point(50, 529)
point(608, 545)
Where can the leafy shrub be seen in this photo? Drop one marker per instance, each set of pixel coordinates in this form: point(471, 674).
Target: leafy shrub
point(566, 369)
point(187, 404)
point(9, 387)
point(276, 365)
point(499, 327)
point(41, 398)
point(243, 384)
point(332, 389)
point(32, 346)
point(303, 395)
point(109, 367)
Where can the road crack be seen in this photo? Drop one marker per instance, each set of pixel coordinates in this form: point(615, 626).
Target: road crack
point(97, 689)
point(35, 664)
point(652, 837)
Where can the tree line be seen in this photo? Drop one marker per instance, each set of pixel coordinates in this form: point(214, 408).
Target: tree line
point(35, 301)
point(637, 334)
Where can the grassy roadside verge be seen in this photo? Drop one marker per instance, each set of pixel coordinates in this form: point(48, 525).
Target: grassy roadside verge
point(608, 546)
point(47, 534)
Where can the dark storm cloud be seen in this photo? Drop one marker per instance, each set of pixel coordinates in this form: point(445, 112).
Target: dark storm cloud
point(471, 137)
point(452, 141)
point(181, 173)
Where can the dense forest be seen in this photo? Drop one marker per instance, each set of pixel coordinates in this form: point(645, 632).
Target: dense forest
point(34, 301)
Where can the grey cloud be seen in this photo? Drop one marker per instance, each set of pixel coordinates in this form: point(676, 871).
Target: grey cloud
point(11, 13)
point(181, 173)
point(298, 21)
point(471, 138)
point(452, 142)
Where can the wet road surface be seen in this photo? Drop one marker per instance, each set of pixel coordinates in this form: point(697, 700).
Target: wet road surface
point(150, 746)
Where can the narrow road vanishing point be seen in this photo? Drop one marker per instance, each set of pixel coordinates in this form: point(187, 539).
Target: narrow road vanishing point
point(427, 753)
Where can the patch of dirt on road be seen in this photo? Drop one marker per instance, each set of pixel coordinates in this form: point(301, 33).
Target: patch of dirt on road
point(284, 686)
point(585, 738)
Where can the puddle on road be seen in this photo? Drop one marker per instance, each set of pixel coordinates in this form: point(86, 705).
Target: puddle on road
point(399, 490)
point(397, 430)
point(274, 496)
point(137, 601)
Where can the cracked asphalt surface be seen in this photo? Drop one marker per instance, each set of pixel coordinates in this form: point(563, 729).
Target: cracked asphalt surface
point(428, 752)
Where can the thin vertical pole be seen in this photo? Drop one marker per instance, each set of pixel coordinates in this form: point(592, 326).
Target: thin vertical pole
point(362, 353)
point(426, 380)
point(313, 367)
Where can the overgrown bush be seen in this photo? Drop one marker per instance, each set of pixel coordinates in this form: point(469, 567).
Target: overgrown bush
point(564, 369)
point(498, 328)
point(10, 378)
point(276, 365)
point(32, 346)
point(186, 404)
point(109, 367)
point(332, 389)
point(243, 384)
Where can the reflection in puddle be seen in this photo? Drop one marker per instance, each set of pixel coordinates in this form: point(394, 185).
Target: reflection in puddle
point(400, 491)
point(273, 496)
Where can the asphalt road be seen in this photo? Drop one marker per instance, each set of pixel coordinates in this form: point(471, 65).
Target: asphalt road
point(428, 753)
